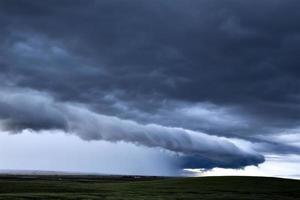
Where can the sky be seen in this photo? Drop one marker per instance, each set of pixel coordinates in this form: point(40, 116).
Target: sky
point(195, 88)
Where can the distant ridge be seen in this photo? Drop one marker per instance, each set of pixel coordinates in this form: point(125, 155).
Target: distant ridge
point(42, 172)
point(68, 173)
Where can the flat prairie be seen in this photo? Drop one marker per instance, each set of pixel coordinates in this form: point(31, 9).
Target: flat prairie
point(138, 187)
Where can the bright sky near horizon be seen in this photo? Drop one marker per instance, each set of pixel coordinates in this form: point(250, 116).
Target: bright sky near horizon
point(39, 152)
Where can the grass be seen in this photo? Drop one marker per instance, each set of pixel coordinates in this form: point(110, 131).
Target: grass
point(88, 187)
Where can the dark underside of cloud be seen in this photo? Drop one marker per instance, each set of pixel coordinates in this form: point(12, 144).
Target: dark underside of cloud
point(184, 76)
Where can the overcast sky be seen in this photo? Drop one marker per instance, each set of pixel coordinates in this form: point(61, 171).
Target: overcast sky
point(162, 87)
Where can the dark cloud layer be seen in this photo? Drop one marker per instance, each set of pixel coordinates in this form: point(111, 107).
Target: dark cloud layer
point(227, 68)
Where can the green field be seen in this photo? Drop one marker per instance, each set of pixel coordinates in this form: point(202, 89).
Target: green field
point(91, 187)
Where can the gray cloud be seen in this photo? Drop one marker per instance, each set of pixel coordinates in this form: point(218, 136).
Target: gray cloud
point(226, 68)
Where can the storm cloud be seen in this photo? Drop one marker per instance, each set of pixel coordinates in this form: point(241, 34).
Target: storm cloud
point(40, 112)
point(192, 77)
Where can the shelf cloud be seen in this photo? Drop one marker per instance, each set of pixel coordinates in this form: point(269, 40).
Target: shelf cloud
point(26, 109)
